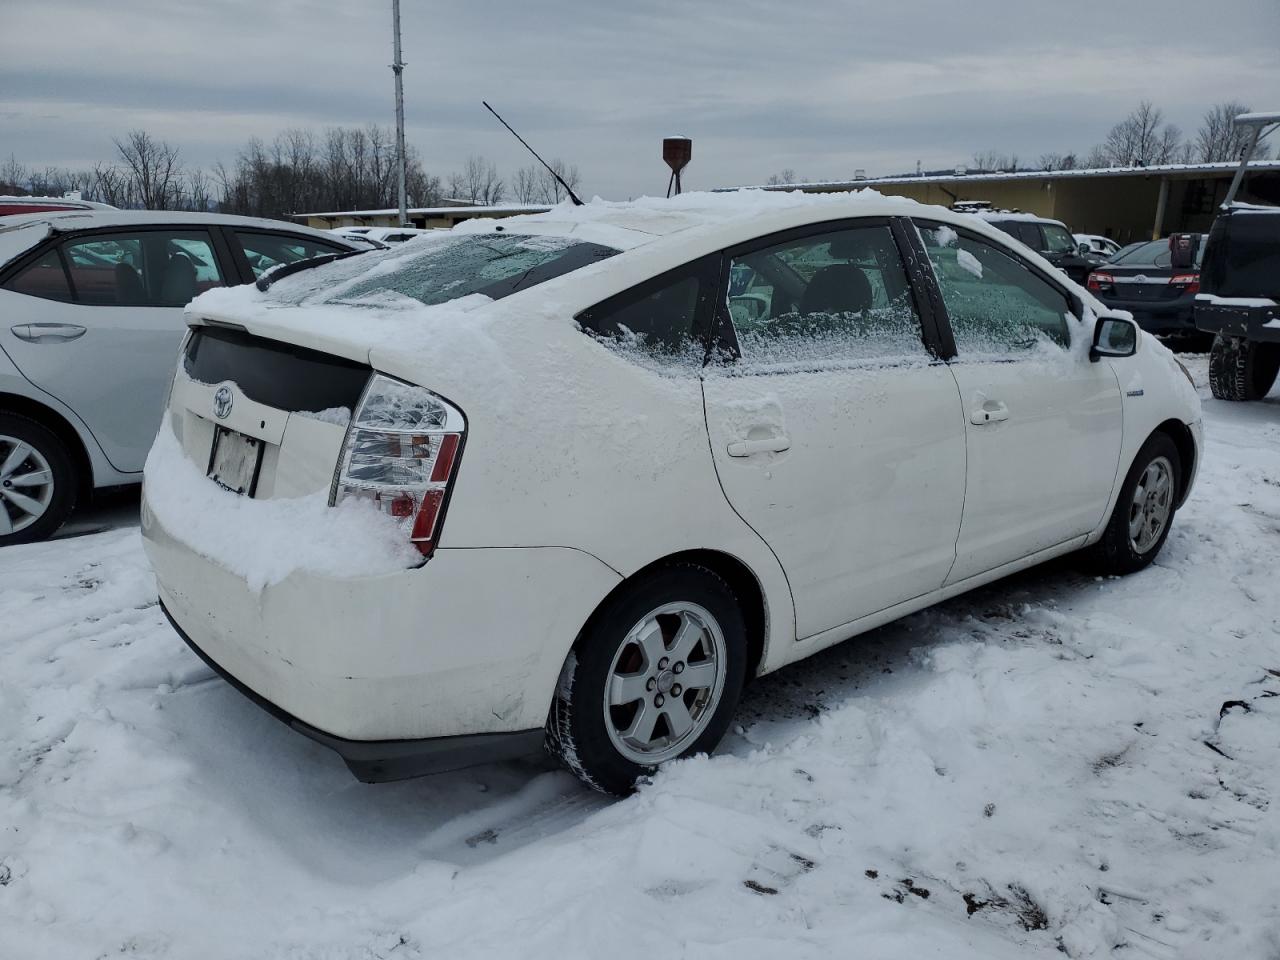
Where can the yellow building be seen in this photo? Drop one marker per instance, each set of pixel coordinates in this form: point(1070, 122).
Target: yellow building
point(1124, 203)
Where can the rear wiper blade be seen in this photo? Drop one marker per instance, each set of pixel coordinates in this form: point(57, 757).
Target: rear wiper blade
point(289, 269)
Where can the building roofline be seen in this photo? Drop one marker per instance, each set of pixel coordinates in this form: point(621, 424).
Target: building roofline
point(1178, 169)
point(434, 211)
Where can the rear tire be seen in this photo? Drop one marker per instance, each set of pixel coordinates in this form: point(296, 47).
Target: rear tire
point(1143, 514)
point(655, 676)
point(37, 481)
point(1241, 369)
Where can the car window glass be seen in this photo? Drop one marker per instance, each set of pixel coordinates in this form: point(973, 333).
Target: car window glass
point(265, 250)
point(1029, 233)
point(1057, 239)
point(838, 296)
point(996, 303)
point(44, 278)
point(657, 320)
point(154, 268)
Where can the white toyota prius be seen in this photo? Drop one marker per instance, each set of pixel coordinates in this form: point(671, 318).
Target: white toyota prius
point(575, 478)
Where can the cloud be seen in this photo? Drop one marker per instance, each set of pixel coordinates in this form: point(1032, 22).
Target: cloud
point(822, 87)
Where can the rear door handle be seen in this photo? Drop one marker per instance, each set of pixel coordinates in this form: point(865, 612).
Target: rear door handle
point(745, 448)
point(47, 332)
point(988, 411)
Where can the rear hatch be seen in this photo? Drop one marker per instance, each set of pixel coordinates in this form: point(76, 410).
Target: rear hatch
point(263, 417)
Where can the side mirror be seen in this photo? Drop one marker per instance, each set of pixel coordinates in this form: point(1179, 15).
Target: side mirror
point(1113, 337)
point(1084, 250)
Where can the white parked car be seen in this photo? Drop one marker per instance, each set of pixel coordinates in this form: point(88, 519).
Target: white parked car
point(1103, 246)
point(577, 477)
point(383, 235)
point(92, 308)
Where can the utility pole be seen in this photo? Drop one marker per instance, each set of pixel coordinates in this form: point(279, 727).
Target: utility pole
point(398, 68)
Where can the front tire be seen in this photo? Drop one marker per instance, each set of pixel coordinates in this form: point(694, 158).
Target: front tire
point(655, 676)
point(37, 481)
point(1143, 513)
point(1241, 369)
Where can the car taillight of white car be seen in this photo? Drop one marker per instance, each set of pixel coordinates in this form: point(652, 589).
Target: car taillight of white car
point(401, 454)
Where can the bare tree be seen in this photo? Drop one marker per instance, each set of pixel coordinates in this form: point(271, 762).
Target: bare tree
point(1140, 139)
point(525, 184)
point(1219, 139)
point(13, 177)
point(478, 183)
point(154, 169)
point(782, 178)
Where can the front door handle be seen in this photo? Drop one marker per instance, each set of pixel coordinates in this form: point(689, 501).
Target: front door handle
point(47, 332)
point(745, 448)
point(988, 411)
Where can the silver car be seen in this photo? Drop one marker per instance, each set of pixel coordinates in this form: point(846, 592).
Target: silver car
point(91, 309)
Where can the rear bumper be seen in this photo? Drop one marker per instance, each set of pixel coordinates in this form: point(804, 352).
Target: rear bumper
point(1158, 317)
point(378, 761)
point(467, 648)
point(1261, 323)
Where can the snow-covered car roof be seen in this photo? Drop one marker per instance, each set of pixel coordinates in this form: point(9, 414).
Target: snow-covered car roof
point(20, 232)
point(995, 215)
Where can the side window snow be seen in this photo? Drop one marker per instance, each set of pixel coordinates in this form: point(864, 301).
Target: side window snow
point(996, 303)
point(837, 296)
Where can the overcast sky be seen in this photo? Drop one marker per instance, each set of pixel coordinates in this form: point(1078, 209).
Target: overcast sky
point(823, 87)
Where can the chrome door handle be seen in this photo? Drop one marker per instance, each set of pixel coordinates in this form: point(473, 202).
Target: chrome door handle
point(988, 411)
point(47, 332)
point(745, 448)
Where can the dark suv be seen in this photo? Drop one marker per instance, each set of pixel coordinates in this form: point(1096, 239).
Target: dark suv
point(1049, 238)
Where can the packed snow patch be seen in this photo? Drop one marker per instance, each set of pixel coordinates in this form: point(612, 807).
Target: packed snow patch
point(264, 541)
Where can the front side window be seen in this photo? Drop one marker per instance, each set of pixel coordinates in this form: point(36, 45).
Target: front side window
point(266, 250)
point(45, 278)
point(841, 295)
point(155, 268)
point(996, 303)
point(1057, 239)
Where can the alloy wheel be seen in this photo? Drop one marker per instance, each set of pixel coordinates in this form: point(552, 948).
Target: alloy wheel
point(1151, 506)
point(664, 683)
point(26, 485)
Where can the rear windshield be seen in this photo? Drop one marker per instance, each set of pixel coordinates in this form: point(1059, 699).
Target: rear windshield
point(435, 269)
point(1154, 253)
point(1244, 255)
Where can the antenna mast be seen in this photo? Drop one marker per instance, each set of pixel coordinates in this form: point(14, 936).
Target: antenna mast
point(398, 68)
point(577, 201)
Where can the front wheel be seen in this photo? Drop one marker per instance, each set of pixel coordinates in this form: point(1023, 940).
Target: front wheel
point(1143, 514)
point(656, 676)
point(1241, 369)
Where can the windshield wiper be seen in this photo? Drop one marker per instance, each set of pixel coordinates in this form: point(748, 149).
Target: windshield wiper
point(289, 269)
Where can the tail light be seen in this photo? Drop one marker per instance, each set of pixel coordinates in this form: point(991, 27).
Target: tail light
point(401, 454)
point(1191, 281)
point(1098, 280)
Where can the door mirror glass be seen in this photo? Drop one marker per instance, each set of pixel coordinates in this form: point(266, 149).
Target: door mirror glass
point(1114, 337)
point(1084, 250)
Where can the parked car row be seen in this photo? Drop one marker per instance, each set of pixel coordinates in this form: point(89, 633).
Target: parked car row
point(640, 468)
point(92, 307)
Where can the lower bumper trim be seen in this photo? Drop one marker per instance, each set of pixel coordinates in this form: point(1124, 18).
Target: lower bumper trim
point(380, 761)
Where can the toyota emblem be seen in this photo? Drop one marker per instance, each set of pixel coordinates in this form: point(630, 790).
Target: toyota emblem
point(222, 400)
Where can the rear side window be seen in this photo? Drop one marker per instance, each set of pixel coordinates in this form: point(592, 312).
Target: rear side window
point(663, 318)
point(266, 250)
point(45, 278)
point(996, 303)
point(156, 268)
point(841, 295)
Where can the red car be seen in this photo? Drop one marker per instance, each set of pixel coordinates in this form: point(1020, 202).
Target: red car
point(11, 205)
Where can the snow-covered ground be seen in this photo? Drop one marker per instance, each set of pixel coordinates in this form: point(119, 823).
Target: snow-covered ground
point(1052, 764)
